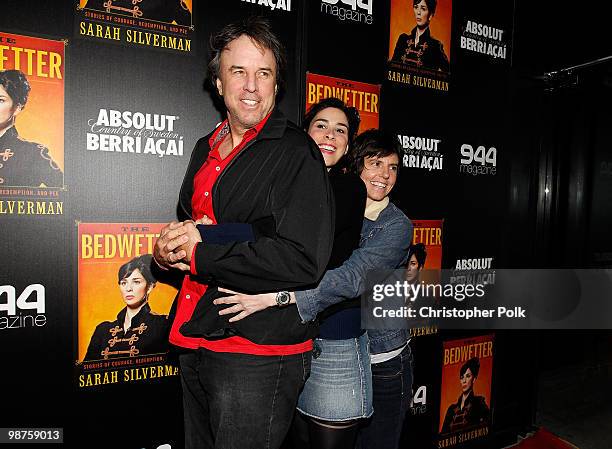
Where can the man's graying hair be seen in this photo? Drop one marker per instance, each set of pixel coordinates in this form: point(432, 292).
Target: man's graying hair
point(260, 32)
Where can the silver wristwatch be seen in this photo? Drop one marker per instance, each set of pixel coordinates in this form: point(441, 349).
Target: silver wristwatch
point(282, 299)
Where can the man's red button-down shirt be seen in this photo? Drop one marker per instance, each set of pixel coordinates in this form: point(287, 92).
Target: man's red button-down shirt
point(192, 291)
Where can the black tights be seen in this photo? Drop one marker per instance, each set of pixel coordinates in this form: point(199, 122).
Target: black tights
point(332, 435)
point(309, 433)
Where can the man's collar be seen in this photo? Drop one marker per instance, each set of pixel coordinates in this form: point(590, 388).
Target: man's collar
point(271, 127)
point(275, 126)
point(219, 134)
point(375, 208)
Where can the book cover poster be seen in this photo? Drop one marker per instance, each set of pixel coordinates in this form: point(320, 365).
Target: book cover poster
point(429, 232)
point(465, 394)
point(362, 96)
point(123, 311)
point(160, 25)
point(419, 43)
point(31, 125)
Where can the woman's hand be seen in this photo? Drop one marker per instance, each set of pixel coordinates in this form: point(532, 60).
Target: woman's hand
point(244, 305)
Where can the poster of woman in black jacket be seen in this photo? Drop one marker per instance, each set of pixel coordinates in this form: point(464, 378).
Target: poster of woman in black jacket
point(22, 163)
point(137, 330)
point(469, 410)
point(420, 48)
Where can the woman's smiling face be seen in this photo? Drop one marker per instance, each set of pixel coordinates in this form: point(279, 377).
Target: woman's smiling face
point(329, 129)
point(379, 174)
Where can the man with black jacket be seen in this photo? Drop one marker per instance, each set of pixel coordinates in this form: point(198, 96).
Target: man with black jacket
point(241, 380)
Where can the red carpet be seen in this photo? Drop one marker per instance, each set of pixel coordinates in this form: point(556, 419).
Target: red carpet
point(543, 439)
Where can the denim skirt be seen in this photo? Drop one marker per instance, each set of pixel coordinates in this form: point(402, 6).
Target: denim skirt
point(339, 387)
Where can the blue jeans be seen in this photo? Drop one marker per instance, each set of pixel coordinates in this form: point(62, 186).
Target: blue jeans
point(239, 400)
point(392, 387)
point(340, 384)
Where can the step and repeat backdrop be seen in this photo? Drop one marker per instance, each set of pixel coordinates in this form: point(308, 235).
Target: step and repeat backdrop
point(101, 103)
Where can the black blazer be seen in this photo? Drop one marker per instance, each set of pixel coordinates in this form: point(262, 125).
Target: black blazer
point(279, 178)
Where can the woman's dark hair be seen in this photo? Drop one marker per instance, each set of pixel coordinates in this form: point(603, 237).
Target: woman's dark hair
point(352, 115)
point(431, 5)
point(260, 32)
point(473, 364)
point(418, 249)
point(371, 143)
point(141, 263)
point(16, 85)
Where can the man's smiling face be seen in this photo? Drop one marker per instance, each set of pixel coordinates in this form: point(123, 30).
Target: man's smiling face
point(247, 83)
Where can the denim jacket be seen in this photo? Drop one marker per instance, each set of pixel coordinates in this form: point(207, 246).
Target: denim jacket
point(383, 245)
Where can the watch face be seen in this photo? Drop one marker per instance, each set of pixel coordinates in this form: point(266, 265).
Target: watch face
point(282, 298)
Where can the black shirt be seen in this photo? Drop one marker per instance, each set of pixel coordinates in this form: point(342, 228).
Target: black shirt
point(343, 320)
